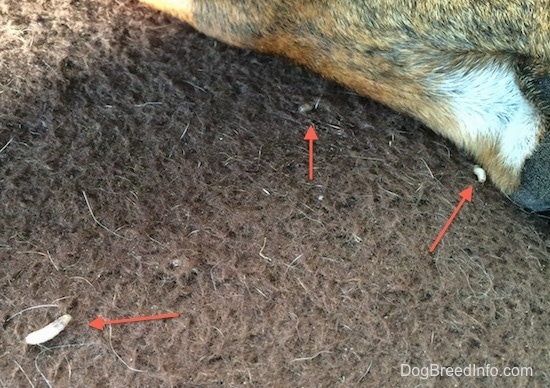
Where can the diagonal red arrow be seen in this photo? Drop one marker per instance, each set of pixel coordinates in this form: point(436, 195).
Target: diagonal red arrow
point(311, 136)
point(99, 323)
point(466, 196)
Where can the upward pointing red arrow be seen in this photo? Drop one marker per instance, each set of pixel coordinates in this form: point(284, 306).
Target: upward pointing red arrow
point(311, 136)
point(466, 196)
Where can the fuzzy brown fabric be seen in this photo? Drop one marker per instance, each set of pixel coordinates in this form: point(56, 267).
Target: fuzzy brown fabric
point(146, 169)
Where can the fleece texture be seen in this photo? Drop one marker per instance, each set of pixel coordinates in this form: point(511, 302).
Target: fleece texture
point(148, 169)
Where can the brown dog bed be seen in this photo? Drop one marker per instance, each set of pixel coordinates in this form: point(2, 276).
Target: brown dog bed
point(147, 169)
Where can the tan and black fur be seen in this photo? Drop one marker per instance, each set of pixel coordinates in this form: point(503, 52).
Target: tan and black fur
point(477, 72)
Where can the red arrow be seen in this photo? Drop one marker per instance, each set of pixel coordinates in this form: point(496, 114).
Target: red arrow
point(311, 136)
point(99, 323)
point(466, 196)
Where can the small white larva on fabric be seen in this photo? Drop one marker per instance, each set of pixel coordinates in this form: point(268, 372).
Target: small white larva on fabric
point(480, 173)
point(49, 331)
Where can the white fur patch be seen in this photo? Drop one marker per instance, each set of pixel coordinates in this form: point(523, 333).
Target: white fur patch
point(488, 103)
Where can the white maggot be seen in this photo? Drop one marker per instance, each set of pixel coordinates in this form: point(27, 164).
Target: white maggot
point(49, 331)
point(480, 173)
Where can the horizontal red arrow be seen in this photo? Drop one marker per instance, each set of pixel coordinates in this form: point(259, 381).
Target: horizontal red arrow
point(99, 323)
